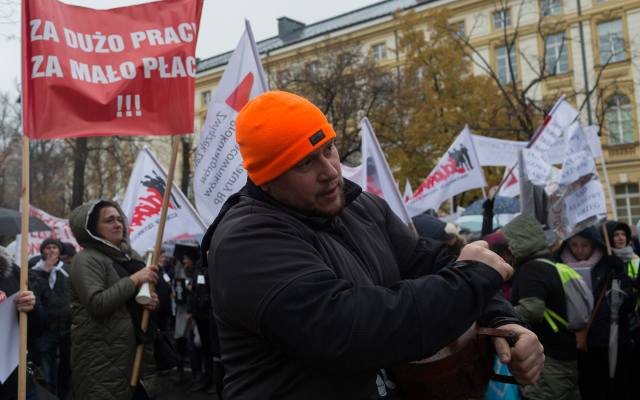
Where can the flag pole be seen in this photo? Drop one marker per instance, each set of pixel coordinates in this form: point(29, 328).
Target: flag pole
point(24, 269)
point(135, 374)
point(606, 179)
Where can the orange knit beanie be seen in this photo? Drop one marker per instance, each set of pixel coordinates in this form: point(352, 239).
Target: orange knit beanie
point(276, 130)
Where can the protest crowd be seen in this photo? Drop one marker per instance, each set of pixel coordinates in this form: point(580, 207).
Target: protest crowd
point(303, 278)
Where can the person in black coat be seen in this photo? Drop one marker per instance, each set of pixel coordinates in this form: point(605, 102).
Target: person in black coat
point(52, 349)
point(317, 287)
point(586, 253)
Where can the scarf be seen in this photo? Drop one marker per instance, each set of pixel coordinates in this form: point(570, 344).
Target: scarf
point(567, 257)
point(53, 273)
point(625, 254)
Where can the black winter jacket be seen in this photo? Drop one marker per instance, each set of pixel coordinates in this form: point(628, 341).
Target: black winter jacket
point(602, 274)
point(311, 307)
point(56, 301)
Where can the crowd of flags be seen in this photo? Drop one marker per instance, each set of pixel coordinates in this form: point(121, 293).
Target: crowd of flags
point(559, 155)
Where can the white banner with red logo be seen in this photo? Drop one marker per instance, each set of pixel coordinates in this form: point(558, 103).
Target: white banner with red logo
point(120, 71)
point(142, 204)
point(511, 185)
point(218, 163)
point(457, 171)
point(379, 177)
point(60, 229)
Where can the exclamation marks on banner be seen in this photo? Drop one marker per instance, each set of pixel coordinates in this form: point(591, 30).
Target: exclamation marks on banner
point(126, 99)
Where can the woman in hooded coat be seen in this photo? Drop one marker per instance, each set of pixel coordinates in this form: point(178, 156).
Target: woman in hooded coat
point(620, 236)
point(586, 253)
point(105, 277)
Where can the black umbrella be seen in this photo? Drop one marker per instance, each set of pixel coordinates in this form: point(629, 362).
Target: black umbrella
point(10, 223)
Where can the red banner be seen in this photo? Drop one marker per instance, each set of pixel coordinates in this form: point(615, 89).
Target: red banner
point(124, 71)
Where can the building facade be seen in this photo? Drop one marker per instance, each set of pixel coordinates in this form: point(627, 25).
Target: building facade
point(556, 46)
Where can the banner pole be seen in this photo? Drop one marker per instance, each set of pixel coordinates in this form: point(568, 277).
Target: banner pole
point(605, 235)
point(24, 269)
point(135, 373)
point(606, 179)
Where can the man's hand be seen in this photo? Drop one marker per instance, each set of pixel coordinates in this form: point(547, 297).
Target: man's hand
point(525, 359)
point(25, 301)
point(153, 304)
point(479, 251)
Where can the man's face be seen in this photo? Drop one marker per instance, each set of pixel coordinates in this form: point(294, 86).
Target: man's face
point(51, 251)
point(581, 247)
point(314, 185)
point(619, 239)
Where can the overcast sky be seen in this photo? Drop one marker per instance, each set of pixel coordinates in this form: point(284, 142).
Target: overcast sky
point(220, 28)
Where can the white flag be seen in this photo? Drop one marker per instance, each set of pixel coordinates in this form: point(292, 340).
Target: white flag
point(354, 174)
point(457, 171)
point(378, 175)
point(218, 164)
point(497, 152)
point(556, 123)
point(142, 205)
point(408, 192)
point(511, 185)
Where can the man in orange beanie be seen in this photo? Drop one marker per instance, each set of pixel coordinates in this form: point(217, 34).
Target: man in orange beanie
point(318, 286)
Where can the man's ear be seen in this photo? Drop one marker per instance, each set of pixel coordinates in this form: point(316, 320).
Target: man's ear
point(266, 187)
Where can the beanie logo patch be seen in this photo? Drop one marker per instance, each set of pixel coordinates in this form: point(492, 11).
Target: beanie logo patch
point(317, 137)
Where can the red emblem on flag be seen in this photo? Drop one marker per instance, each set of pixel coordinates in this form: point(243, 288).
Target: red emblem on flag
point(240, 96)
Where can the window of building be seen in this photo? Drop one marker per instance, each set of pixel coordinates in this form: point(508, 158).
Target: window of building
point(205, 97)
point(611, 41)
point(284, 77)
point(556, 60)
point(618, 119)
point(550, 7)
point(457, 28)
point(501, 19)
point(628, 202)
point(313, 67)
point(379, 51)
point(505, 64)
point(345, 58)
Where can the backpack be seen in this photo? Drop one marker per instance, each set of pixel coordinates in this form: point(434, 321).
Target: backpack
point(578, 297)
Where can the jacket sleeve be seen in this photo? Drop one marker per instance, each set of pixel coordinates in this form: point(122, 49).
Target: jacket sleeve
point(420, 256)
point(281, 289)
point(89, 280)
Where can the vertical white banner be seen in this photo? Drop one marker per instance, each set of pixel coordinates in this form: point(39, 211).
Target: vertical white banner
point(218, 163)
point(379, 177)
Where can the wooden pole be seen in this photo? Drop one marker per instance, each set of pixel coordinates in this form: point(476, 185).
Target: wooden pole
point(24, 269)
point(135, 374)
point(606, 179)
point(605, 235)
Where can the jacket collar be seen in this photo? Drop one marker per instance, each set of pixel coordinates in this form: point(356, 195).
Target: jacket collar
point(251, 190)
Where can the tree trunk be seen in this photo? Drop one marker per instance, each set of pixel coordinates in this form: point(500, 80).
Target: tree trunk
point(186, 165)
point(79, 166)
